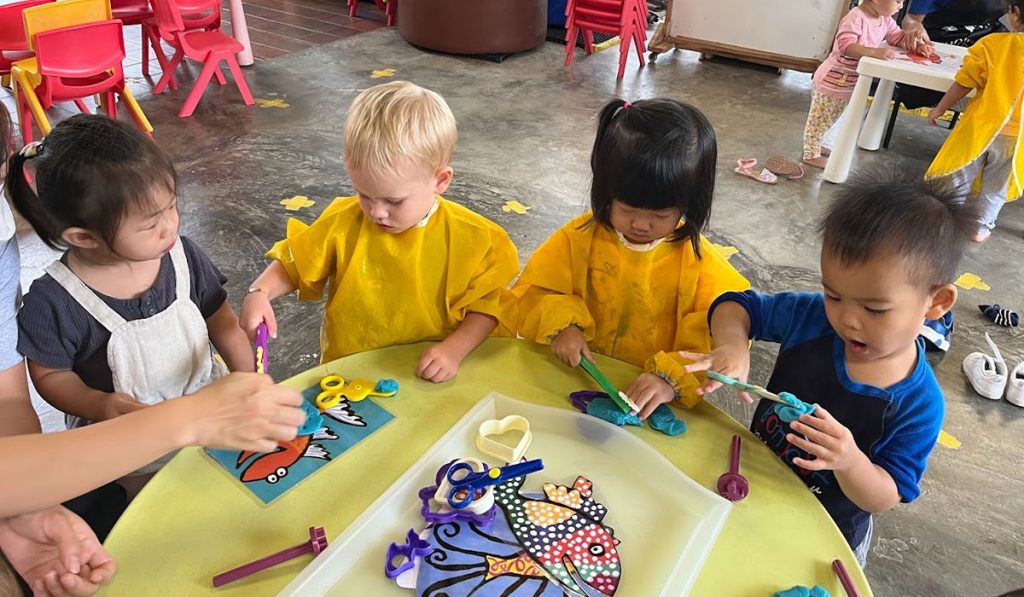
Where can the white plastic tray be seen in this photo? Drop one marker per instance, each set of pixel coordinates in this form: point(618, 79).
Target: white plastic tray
point(666, 522)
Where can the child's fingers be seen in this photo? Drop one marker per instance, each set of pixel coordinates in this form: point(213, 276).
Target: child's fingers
point(746, 397)
point(709, 386)
point(271, 319)
point(810, 465)
point(701, 361)
point(586, 352)
point(807, 446)
point(648, 408)
point(819, 437)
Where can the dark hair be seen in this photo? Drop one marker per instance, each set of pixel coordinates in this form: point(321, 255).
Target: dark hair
point(884, 213)
point(1015, 5)
point(655, 154)
point(89, 171)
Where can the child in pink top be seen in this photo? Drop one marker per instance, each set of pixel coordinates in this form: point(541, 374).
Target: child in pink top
point(860, 33)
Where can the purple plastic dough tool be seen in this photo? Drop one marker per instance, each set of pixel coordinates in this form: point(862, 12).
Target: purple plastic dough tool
point(582, 398)
point(732, 485)
point(262, 359)
point(414, 548)
point(317, 543)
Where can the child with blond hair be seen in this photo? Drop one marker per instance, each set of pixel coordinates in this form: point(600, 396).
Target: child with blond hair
point(400, 263)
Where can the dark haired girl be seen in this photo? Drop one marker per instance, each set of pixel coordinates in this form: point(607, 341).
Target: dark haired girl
point(633, 278)
point(126, 316)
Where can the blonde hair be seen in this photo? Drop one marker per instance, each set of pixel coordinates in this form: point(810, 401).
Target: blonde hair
point(392, 124)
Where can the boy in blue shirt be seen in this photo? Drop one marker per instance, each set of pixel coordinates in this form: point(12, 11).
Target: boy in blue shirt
point(890, 250)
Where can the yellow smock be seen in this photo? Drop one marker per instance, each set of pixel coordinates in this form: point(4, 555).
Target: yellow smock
point(994, 66)
point(385, 289)
point(637, 306)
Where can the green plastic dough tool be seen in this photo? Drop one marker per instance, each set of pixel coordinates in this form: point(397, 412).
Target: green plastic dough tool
point(620, 398)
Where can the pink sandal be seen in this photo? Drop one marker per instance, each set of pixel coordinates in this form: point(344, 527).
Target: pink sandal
point(746, 168)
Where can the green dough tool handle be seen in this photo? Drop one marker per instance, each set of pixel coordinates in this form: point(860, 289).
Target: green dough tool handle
point(620, 399)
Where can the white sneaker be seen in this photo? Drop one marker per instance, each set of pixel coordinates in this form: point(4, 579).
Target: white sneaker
point(986, 374)
point(1015, 389)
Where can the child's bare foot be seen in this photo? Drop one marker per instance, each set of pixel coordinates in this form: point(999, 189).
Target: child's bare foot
point(818, 162)
point(982, 236)
point(825, 152)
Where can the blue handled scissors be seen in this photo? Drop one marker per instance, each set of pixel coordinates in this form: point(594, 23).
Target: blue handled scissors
point(466, 482)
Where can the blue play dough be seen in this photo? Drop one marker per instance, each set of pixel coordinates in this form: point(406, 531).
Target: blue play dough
point(386, 386)
point(603, 408)
point(665, 421)
point(314, 420)
point(794, 409)
point(802, 591)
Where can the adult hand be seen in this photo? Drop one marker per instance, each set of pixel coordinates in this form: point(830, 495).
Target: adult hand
point(256, 309)
point(826, 439)
point(437, 364)
point(732, 360)
point(916, 37)
point(648, 391)
point(242, 411)
point(569, 345)
point(56, 552)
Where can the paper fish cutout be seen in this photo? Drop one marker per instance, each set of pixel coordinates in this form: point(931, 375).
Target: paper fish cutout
point(726, 251)
point(570, 543)
point(516, 207)
point(921, 58)
point(969, 281)
point(382, 73)
point(271, 103)
point(948, 440)
point(297, 202)
point(273, 466)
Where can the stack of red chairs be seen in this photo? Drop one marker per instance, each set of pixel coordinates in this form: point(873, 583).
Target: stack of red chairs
point(625, 18)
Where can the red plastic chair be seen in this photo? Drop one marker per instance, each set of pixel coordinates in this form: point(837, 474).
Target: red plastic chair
point(196, 15)
point(625, 18)
point(208, 47)
point(13, 44)
point(83, 61)
point(390, 8)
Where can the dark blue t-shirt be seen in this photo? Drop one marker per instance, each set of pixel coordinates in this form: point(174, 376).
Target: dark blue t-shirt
point(896, 427)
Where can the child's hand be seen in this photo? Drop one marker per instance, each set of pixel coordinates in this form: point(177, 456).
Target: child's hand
point(884, 53)
point(241, 411)
point(119, 403)
point(825, 438)
point(934, 115)
point(569, 344)
point(256, 309)
point(648, 392)
point(728, 359)
point(437, 364)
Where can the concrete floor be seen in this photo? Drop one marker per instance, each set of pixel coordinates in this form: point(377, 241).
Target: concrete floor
point(526, 128)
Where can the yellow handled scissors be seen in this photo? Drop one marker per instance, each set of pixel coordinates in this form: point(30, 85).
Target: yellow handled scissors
point(336, 388)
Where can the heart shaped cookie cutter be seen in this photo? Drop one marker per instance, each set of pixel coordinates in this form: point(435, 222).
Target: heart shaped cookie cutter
point(494, 448)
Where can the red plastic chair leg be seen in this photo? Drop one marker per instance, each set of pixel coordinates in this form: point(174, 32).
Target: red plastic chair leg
point(168, 76)
point(220, 77)
point(623, 54)
point(212, 63)
point(82, 107)
point(570, 44)
point(111, 104)
point(154, 42)
point(352, 7)
point(145, 52)
point(588, 41)
point(240, 82)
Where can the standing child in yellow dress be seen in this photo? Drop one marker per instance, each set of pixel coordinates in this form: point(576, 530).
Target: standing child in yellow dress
point(400, 263)
point(985, 143)
point(633, 278)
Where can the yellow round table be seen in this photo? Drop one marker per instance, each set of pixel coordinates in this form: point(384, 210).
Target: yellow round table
point(192, 521)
